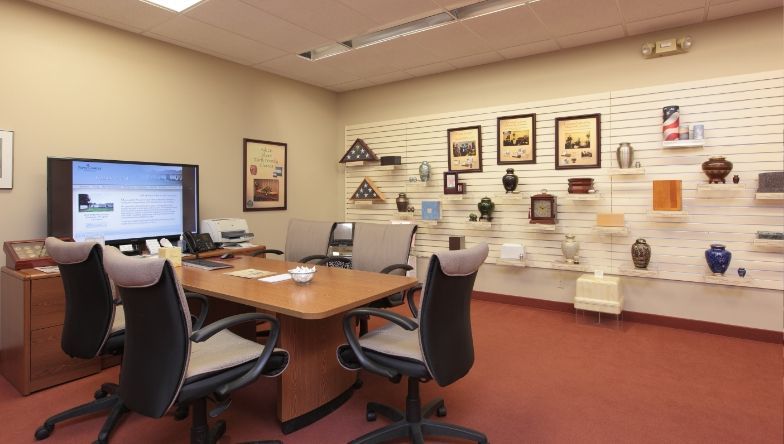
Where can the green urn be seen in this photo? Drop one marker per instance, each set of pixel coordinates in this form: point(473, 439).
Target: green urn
point(486, 207)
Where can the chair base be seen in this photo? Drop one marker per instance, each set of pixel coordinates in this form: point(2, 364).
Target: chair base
point(103, 403)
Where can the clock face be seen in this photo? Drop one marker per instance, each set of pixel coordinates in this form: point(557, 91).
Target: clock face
point(542, 209)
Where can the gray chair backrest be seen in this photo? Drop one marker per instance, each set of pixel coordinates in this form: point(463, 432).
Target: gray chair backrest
point(157, 332)
point(445, 318)
point(379, 245)
point(89, 304)
point(306, 238)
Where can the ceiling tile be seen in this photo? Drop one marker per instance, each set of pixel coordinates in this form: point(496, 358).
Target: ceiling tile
point(477, 59)
point(718, 11)
point(427, 70)
point(529, 49)
point(253, 23)
point(564, 17)
point(296, 67)
point(586, 38)
point(328, 18)
point(666, 22)
point(216, 40)
point(402, 53)
point(452, 4)
point(636, 10)
point(386, 13)
point(390, 77)
point(512, 27)
point(348, 86)
point(450, 41)
point(133, 15)
point(358, 61)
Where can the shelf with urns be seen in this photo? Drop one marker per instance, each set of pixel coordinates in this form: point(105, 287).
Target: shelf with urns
point(719, 190)
point(605, 230)
point(521, 263)
point(539, 227)
point(419, 185)
point(662, 214)
point(478, 225)
point(453, 197)
point(388, 167)
point(362, 163)
point(769, 196)
point(631, 270)
point(769, 244)
point(627, 171)
point(688, 143)
point(581, 196)
point(366, 202)
point(738, 281)
point(410, 218)
point(563, 265)
point(507, 196)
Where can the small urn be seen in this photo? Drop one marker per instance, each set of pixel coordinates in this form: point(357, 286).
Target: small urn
point(641, 254)
point(570, 248)
point(510, 180)
point(717, 168)
point(742, 272)
point(736, 179)
point(402, 202)
point(624, 154)
point(473, 217)
point(486, 207)
point(424, 171)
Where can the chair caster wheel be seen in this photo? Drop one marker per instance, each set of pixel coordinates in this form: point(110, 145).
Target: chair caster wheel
point(43, 432)
point(441, 411)
point(100, 393)
point(370, 416)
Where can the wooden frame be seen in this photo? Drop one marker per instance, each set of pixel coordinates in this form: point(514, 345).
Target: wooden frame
point(264, 175)
point(578, 142)
point(451, 186)
point(359, 151)
point(367, 191)
point(6, 160)
point(464, 146)
point(516, 139)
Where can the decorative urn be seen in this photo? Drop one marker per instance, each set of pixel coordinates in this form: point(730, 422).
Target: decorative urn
point(424, 171)
point(486, 207)
point(402, 202)
point(570, 248)
point(510, 180)
point(717, 168)
point(718, 258)
point(742, 272)
point(641, 254)
point(624, 154)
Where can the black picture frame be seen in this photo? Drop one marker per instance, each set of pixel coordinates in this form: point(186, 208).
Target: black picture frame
point(464, 149)
point(265, 175)
point(516, 139)
point(578, 142)
point(450, 183)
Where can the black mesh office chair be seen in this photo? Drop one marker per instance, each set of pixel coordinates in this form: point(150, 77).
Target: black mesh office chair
point(189, 366)
point(306, 240)
point(94, 325)
point(439, 346)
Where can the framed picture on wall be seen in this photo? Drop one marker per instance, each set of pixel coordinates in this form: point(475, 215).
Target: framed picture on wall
point(578, 142)
point(264, 175)
point(516, 138)
point(465, 149)
point(6, 159)
point(450, 183)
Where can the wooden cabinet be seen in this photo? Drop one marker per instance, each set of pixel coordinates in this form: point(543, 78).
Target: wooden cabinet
point(32, 309)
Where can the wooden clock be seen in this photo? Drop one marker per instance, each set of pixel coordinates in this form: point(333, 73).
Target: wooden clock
point(544, 209)
point(26, 254)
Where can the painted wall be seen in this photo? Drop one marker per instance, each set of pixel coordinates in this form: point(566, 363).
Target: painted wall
point(74, 88)
point(740, 45)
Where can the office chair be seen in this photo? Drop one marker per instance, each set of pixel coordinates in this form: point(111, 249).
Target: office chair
point(306, 240)
point(94, 324)
point(439, 346)
point(191, 365)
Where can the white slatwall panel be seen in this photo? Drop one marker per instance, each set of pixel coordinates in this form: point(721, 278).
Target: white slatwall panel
point(744, 121)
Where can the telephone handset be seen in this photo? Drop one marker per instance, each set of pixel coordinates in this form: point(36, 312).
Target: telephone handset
point(199, 242)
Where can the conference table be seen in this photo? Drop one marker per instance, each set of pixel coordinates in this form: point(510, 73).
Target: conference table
point(310, 317)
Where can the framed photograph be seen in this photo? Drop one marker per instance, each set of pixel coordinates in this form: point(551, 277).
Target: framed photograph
point(6, 159)
point(516, 139)
point(578, 142)
point(465, 149)
point(450, 183)
point(264, 175)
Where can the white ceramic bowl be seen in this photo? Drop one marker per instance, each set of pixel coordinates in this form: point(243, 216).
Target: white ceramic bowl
point(301, 277)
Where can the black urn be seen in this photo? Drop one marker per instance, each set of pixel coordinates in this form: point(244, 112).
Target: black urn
point(510, 180)
point(402, 202)
point(641, 254)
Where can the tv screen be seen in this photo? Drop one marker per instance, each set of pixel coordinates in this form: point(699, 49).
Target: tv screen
point(121, 202)
point(342, 233)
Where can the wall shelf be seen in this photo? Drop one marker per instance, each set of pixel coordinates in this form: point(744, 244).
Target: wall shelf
point(511, 262)
point(769, 196)
point(769, 244)
point(539, 227)
point(453, 197)
point(581, 197)
point(365, 203)
point(426, 223)
point(514, 195)
point(419, 185)
point(598, 229)
point(728, 279)
point(479, 225)
point(563, 265)
point(691, 143)
point(630, 270)
point(362, 163)
point(720, 190)
point(627, 171)
point(388, 167)
point(654, 214)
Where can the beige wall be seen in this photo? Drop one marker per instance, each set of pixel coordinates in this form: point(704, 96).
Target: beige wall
point(740, 45)
point(71, 87)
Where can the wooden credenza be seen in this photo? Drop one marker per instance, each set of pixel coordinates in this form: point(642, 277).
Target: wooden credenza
point(32, 310)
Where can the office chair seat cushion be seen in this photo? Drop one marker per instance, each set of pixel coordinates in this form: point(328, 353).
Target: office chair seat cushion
point(222, 351)
point(390, 346)
point(118, 323)
point(406, 366)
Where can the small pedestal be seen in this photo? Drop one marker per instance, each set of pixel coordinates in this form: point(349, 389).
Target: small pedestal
point(601, 295)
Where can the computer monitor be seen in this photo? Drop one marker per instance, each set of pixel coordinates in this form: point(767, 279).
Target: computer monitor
point(342, 234)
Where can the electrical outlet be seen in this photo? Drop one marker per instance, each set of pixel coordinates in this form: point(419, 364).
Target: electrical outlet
point(561, 283)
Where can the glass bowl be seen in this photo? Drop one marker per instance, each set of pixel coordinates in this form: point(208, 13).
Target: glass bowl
point(301, 277)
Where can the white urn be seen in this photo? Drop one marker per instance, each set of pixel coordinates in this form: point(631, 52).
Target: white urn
point(570, 248)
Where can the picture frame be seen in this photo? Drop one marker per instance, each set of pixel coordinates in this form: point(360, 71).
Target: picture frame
point(264, 176)
point(6, 160)
point(450, 183)
point(464, 148)
point(578, 142)
point(516, 139)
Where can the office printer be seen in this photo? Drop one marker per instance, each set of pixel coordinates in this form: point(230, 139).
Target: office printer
point(227, 231)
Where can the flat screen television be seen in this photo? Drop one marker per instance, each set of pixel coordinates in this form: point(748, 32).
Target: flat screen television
point(342, 234)
point(122, 202)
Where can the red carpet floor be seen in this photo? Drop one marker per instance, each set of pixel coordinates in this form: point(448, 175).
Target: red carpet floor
point(539, 377)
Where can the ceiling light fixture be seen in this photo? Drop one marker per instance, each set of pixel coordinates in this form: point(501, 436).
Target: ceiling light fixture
point(173, 5)
point(400, 30)
point(323, 52)
point(666, 47)
point(487, 7)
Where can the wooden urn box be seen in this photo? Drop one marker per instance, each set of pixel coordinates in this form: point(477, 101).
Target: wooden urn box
point(667, 195)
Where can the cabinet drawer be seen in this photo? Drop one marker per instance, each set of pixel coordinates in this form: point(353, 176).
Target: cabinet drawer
point(47, 303)
point(50, 366)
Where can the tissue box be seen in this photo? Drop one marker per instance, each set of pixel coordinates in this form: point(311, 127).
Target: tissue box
point(173, 254)
point(514, 252)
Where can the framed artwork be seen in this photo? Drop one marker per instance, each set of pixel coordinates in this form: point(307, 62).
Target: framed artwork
point(516, 139)
point(264, 175)
point(578, 142)
point(6, 159)
point(450, 183)
point(465, 149)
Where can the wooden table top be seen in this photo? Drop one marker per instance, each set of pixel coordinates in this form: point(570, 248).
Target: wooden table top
point(332, 290)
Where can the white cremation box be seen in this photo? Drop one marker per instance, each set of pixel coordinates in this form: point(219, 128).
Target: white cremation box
point(599, 294)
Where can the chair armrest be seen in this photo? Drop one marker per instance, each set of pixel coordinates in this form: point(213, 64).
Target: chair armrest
point(198, 321)
point(394, 267)
point(251, 375)
point(353, 341)
point(312, 257)
point(409, 295)
point(342, 259)
point(266, 251)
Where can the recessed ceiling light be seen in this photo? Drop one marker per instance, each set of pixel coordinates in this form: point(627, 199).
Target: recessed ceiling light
point(487, 7)
point(174, 5)
point(400, 30)
point(325, 51)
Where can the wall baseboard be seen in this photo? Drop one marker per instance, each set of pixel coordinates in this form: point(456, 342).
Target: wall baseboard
point(734, 331)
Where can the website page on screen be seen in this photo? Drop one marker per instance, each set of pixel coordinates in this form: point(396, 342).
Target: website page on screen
point(126, 201)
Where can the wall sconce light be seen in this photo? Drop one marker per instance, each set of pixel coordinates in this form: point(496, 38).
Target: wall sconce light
point(666, 47)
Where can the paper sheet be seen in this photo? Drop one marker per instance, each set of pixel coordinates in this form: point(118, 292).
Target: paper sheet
point(278, 278)
point(251, 273)
point(49, 269)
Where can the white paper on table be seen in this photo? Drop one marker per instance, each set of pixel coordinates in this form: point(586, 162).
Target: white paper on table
point(276, 278)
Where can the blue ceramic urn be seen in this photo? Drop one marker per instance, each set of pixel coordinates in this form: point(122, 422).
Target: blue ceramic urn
point(718, 258)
